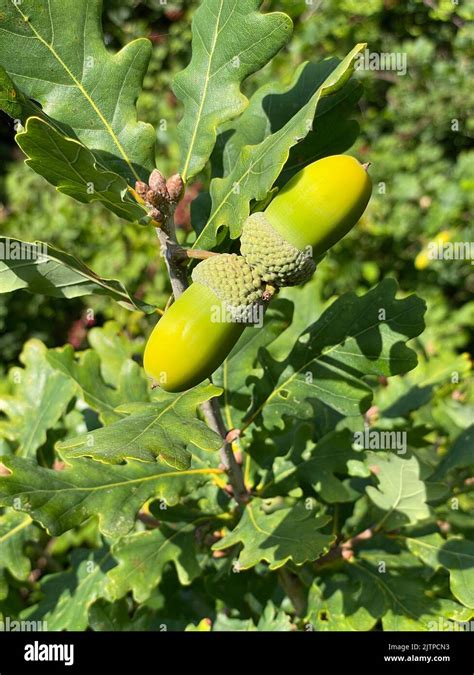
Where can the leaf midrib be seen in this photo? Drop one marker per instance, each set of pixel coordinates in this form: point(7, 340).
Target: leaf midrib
point(80, 87)
point(21, 526)
point(204, 95)
point(105, 486)
point(386, 590)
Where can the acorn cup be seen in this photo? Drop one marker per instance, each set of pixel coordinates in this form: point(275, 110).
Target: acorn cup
point(314, 210)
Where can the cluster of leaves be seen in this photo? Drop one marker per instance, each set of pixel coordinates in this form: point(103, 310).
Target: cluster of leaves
point(116, 513)
point(114, 496)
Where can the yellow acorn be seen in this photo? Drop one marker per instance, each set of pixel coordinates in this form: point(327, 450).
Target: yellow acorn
point(316, 208)
point(197, 332)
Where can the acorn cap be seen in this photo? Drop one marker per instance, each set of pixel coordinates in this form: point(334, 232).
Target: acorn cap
point(234, 282)
point(276, 260)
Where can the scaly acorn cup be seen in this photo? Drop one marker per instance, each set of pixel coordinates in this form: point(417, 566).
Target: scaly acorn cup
point(313, 211)
point(198, 331)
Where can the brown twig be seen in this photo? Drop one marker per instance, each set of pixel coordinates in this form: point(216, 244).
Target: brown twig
point(344, 550)
point(148, 520)
point(294, 590)
point(173, 255)
point(169, 246)
point(213, 416)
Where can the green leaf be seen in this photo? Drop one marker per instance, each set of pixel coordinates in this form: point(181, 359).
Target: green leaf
point(418, 388)
point(400, 492)
point(273, 105)
point(16, 530)
point(67, 596)
point(333, 131)
point(242, 362)
point(334, 604)
point(258, 166)
point(72, 168)
point(355, 337)
point(106, 616)
point(205, 502)
point(227, 624)
point(165, 429)
point(113, 347)
point(274, 620)
point(231, 40)
point(271, 459)
point(271, 619)
point(40, 397)
point(321, 467)
point(399, 597)
point(12, 101)
point(459, 455)
point(308, 307)
point(61, 500)
point(86, 373)
point(286, 534)
point(63, 161)
point(456, 555)
point(41, 268)
point(55, 53)
point(142, 557)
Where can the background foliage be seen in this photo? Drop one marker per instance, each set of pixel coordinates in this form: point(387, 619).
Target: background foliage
point(423, 173)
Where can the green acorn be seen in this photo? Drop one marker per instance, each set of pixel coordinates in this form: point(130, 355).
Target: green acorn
point(198, 331)
point(315, 209)
point(312, 212)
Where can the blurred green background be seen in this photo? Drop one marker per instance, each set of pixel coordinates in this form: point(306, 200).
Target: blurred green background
point(415, 130)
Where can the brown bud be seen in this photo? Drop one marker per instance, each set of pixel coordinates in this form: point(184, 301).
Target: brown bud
point(151, 197)
point(141, 188)
point(219, 554)
point(157, 181)
point(232, 435)
point(347, 554)
point(444, 526)
point(175, 187)
point(156, 215)
point(4, 471)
